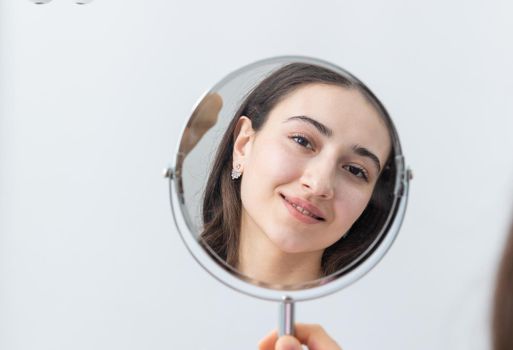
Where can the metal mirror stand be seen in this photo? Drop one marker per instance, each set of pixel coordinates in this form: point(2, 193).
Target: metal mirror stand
point(286, 317)
point(287, 298)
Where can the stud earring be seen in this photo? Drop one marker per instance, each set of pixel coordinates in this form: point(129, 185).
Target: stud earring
point(236, 172)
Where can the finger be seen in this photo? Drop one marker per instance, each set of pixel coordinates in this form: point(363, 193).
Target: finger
point(267, 343)
point(214, 102)
point(287, 342)
point(207, 112)
point(315, 337)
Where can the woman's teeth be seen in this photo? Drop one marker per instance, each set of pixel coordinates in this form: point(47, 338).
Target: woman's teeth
point(303, 211)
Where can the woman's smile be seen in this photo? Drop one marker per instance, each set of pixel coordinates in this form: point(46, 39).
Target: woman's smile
point(302, 210)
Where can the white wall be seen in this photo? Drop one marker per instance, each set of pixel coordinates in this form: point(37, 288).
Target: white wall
point(92, 99)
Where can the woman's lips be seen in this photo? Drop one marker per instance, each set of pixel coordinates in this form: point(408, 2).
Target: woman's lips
point(303, 210)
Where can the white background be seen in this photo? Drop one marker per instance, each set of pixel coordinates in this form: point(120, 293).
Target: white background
point(92, 100)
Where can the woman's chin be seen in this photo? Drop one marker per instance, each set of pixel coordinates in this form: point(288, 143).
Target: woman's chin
point(289, 246)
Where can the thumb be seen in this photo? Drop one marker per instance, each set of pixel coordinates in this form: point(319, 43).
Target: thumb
point(287, 342)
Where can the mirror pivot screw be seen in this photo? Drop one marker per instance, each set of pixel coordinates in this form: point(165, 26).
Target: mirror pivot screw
point(168, 173)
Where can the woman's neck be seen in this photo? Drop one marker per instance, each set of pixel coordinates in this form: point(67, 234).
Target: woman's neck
point(262, 260)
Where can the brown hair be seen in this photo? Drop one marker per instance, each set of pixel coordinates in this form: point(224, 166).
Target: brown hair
point(502, 321)
point(222, 202)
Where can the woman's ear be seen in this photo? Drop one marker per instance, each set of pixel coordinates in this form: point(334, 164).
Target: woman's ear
point(244, 136)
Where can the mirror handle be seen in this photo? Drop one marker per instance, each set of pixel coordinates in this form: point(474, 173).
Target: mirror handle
point(286, 317)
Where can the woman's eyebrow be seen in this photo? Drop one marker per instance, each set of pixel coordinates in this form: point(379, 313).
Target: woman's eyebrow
point(362, 151)
point(323, 129)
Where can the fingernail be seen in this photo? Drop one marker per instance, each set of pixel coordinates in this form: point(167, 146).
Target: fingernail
point(287, 343)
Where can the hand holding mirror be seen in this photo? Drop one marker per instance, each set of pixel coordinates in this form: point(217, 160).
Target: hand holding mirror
point(289, 182)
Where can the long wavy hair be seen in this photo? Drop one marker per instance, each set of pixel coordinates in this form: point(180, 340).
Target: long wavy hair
point(222, 205)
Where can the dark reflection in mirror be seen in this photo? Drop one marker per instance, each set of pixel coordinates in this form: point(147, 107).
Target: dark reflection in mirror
point(302, 182)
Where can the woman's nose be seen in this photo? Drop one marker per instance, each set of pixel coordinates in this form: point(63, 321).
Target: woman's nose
point(318, 179)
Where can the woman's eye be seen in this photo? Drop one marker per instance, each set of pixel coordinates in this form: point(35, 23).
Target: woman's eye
point(357, 171)
point(302, 141)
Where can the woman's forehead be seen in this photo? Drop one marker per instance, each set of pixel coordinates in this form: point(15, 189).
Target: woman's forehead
point(331, 102)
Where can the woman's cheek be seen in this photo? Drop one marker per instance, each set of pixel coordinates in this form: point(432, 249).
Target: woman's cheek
point(350, 204)
point(279, 164)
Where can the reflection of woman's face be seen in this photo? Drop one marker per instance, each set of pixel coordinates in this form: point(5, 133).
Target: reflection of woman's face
point(310, 171)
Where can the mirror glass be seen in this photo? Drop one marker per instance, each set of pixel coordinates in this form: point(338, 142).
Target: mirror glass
point(290, 174)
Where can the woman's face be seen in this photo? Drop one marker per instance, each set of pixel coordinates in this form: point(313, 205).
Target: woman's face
point(309, 172)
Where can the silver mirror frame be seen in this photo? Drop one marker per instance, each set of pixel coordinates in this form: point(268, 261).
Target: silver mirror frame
point(336, 281)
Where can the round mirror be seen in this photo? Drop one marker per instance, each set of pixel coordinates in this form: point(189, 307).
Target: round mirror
point(289, 179)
